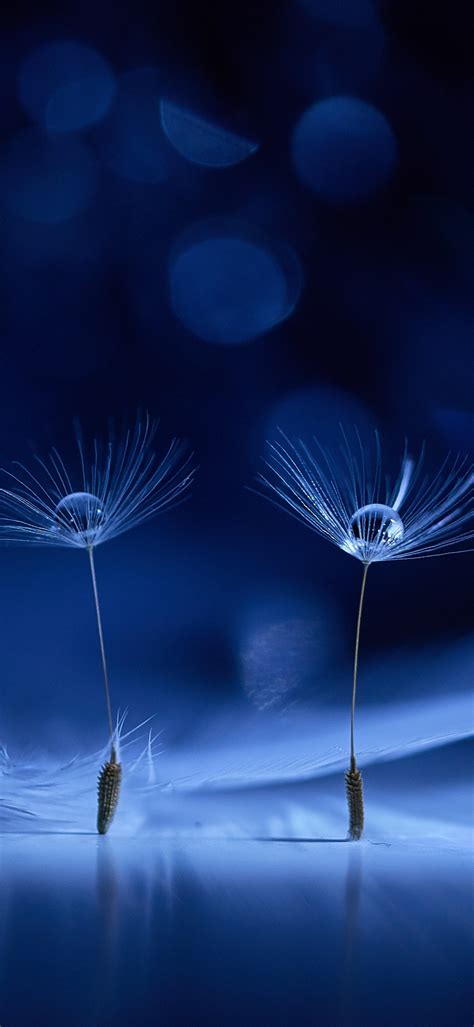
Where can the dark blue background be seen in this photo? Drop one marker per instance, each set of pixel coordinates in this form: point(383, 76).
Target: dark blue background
point(380, 336)
point(378, 333)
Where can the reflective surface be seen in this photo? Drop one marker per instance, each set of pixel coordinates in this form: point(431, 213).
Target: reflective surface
point(230, 931)
point(240, 901)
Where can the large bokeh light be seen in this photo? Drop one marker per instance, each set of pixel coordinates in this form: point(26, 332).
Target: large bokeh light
point(201, 141)
point(231, 288)
point(344, 150)
point(66, 86)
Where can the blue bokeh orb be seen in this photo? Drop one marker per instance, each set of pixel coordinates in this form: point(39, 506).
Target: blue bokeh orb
point(201, 141)
point(47, 179)
point(66, 86)
point(230, 289)
point(344, 150)
point(285, 644)
point(282, 657)
point(319, 411)
point(456, 427)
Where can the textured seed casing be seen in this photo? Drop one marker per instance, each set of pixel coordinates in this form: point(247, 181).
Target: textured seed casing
point(108, 792)
point(355, 803)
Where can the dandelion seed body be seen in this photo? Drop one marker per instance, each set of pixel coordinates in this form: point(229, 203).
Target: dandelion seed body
point(108, 792)
point(355, 507)
point(119, 486)
point(355, 803)
point(122, 486)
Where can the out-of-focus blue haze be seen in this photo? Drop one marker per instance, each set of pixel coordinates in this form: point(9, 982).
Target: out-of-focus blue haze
point(239, 218)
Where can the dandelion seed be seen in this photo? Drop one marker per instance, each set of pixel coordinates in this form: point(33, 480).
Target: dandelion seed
point(108, 792)
point(353, 505)
point(119, 488)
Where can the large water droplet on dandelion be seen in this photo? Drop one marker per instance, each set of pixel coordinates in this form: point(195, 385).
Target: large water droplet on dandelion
point(373, 529)
point(80, 513)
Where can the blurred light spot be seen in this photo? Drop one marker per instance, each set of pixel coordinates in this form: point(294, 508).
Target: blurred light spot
point(130, 140)
point(66, 86)
point(344, 149)
point(280, 659)
point(353, 14)
point(230, 288)
point(201, 141)
point(47, 179)
point(456, 427)
point(319, 412)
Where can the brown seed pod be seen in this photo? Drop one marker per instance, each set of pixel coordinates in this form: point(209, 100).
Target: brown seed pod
point(108, 792)
point(355, 802)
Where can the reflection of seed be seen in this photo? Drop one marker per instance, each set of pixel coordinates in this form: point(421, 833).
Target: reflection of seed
point(355, 802)
point(108, 792)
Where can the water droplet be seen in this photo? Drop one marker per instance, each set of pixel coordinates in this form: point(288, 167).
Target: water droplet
point(373, 528)
point(80, 513)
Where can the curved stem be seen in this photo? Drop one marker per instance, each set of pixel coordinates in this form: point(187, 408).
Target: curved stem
point(90, 550)
point(356, 664)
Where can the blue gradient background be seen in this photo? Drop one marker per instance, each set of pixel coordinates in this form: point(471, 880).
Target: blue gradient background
point(212, 901)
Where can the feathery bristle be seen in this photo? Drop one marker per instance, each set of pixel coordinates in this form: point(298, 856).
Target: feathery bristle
point(110, 490)
point(348, 500)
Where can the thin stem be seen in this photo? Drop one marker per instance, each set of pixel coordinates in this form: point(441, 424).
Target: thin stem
point(356, 663)
point(90, 550)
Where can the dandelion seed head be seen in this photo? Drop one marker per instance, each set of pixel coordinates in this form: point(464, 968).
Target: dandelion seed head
point(112, 489)
point(349, 501)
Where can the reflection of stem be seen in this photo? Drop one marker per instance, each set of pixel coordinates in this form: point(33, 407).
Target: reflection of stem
point(109, 900)
point(355, 798)
point(349, 989)
point(90, 550)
